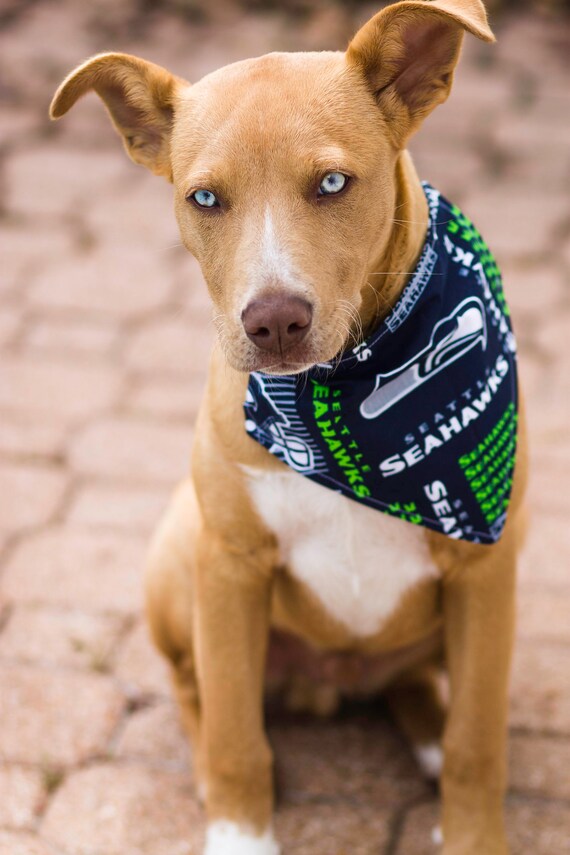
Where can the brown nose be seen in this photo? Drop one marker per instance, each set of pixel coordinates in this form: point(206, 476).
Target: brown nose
point(276, 322)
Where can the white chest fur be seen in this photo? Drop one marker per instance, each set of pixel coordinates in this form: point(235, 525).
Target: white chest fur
point(357, 561)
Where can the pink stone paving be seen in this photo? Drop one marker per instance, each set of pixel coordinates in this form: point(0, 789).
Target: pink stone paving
point(123, 810)
point(22, 796)
point(57, 717)
point(104, 339)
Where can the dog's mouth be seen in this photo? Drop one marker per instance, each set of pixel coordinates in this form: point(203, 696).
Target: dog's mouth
point(279, 365)
point(285, 367)
point(297, 360)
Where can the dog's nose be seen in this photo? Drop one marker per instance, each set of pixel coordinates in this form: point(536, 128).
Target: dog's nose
point(276, 322)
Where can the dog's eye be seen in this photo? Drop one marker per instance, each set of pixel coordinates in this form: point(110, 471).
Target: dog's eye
point(205, 199)
point(332, 183)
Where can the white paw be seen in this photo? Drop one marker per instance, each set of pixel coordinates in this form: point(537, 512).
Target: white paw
point(430, 760)
point(437, 836)
point(227, 838)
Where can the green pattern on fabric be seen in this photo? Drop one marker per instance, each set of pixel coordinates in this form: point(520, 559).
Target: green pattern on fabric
point(462, 225)
point(489, 467)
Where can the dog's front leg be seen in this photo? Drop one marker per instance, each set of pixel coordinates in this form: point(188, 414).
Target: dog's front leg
point(479, 602)
point(233, 604)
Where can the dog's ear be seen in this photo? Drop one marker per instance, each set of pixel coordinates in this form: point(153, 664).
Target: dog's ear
point(408, 52)
point(140, 98)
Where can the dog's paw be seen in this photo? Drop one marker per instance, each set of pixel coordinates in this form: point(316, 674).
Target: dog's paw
point(437, 836)
point(430, 760)
point(227, 838)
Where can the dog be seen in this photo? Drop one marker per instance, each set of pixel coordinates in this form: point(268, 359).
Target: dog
point(340, 333)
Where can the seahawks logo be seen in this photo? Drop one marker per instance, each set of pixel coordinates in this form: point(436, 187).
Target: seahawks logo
point(452, 337)
point(277, 430)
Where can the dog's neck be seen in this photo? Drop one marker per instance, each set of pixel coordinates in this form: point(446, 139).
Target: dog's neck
point(399, 255)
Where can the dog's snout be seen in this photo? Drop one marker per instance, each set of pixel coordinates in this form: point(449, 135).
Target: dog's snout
point(276, 322)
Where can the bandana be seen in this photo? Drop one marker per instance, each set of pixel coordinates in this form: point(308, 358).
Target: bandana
point(420, 420)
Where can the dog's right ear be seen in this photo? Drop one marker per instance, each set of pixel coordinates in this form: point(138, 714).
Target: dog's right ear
point(141, 100)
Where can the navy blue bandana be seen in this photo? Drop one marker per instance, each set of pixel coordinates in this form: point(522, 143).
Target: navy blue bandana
point(420, 420)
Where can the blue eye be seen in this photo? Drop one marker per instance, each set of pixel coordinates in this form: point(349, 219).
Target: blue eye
point(205, 199)
point(332, 183)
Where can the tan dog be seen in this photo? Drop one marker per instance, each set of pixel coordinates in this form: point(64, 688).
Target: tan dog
point(248, 544)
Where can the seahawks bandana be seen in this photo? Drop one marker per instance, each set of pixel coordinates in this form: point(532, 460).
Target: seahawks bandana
point(419, 420)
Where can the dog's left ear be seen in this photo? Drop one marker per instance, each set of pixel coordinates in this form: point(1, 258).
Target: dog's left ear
point(408, 53)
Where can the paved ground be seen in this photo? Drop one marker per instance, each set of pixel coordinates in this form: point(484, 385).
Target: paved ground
point(104, 333)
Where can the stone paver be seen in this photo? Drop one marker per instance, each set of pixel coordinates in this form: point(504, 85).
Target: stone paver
point(34, 168)
point(22, 794)
point(105, 334)
point(23, 844)
point(133, 450)
point(122, 286)
point(77, 568)
point(547, 490)
point(174, 346)
point(59, 388)
point(539, 765)
point(9, 325)
point(119, 507)
point(154, 735)
point(79, 338)
point(312, 828)
point(79, 712)
point(60, 637)
point(32, 495)
point(24, 436)
point(22, 257)
point(538, 828)
point(523, 238)
point(546, 568)
point(541, 687)
point(146, 214)
point(543, 614)
point(165, 398)
point(124, 811)
point(139, 667)
point(536, 290)
point(417, 834)
point(362, 762)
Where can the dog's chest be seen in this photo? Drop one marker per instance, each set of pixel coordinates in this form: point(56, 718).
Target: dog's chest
point(357, 561)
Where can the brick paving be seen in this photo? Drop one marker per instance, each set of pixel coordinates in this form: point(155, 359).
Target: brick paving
point(104, 335)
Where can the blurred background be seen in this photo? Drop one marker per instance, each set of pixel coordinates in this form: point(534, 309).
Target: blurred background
point(104, 336)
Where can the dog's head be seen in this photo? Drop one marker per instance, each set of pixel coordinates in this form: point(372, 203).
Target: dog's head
point(284, 169)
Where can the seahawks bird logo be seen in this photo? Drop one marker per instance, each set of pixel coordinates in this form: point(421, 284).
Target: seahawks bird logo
point(277, 429)
point(452, 338)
